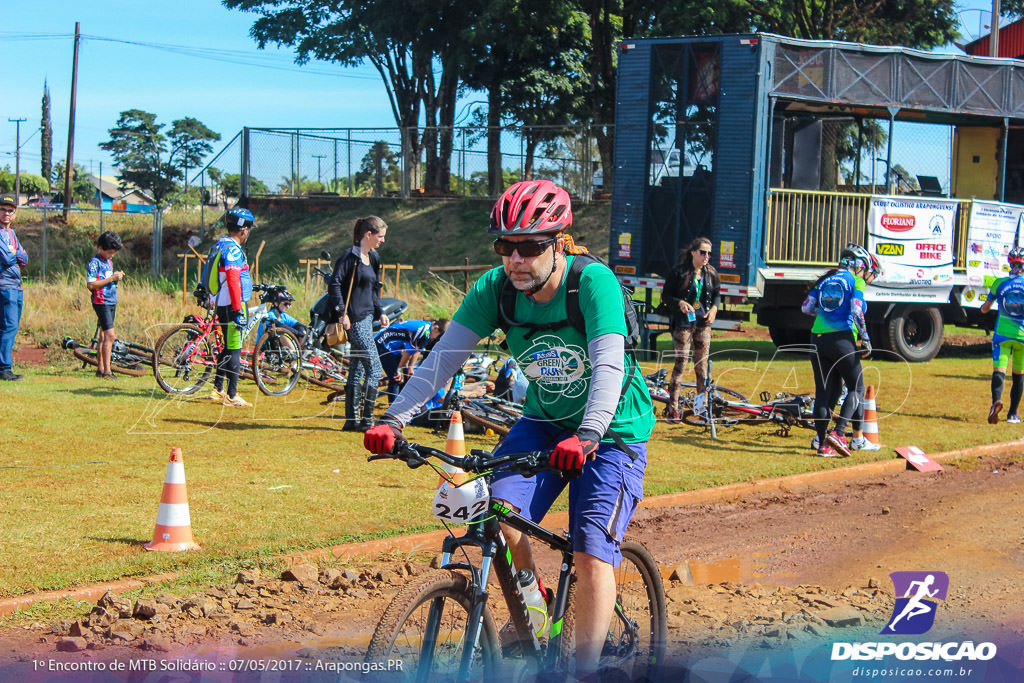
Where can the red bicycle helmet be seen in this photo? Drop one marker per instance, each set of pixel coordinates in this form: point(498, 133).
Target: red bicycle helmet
point(1016, 256)
point(531, 207)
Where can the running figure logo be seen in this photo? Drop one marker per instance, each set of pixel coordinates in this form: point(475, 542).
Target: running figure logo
point(917, 596)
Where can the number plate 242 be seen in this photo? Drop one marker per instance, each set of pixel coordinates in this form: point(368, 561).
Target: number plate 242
point(459, 504)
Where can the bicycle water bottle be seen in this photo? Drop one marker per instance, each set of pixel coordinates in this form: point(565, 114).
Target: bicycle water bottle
point(535, 603)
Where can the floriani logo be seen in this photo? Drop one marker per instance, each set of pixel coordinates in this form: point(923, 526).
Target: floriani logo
point(917, 596)
point(895, 222)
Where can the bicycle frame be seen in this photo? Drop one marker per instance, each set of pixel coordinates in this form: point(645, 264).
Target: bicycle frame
point(485, 533)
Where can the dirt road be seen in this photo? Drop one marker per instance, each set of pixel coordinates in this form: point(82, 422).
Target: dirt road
point(774, 575)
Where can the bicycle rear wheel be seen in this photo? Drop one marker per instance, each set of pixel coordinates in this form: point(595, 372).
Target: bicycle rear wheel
point(322, 369)
point(424, 628)
point(183, 359)
point(126, 364)
point(635, 643)
point(276, 361)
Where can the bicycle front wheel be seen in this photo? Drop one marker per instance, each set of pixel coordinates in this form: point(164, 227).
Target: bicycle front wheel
point(276, 361)
point(424, 628)
point(636, 638)
point(719, 394)
point(183, 359)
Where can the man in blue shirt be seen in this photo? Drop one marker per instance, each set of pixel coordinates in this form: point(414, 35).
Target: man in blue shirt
point(12, 259)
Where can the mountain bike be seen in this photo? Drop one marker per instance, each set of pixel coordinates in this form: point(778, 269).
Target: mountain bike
point(185, 356)
point(704, 408)
point(440, 626)
point(783, 409)
point(127, 358)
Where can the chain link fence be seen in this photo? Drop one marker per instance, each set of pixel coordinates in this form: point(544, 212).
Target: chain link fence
point(855, 157)
point(379, 162)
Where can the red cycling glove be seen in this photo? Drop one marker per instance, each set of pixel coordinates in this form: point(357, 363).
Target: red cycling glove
point(571, 453)
point(383, 438)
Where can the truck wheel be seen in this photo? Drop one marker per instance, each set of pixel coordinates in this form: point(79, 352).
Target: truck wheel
point(786, 336)
point(915, 332)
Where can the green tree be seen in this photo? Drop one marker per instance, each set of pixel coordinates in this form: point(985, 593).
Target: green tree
point(82, 189)
point(231, 185)
point(190, 143)
point(914, 23)
point(46, 139)
point(30, 183)
point(379, 170)
point(137, 144)
point(400, 39)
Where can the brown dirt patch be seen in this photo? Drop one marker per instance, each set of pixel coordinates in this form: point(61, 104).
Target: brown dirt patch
point(30, 355)
point(768, 570)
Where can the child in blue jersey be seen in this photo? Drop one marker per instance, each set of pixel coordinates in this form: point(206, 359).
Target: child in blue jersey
point(278, 313)
point(1008, 337)
point(837, 302)
point(101, 279)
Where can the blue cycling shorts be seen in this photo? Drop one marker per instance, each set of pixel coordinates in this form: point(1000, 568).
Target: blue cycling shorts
point(602, 499)
point(1002, 348)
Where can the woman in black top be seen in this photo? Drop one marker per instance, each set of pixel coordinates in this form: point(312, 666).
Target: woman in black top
point(363, 307)
point(691, 294)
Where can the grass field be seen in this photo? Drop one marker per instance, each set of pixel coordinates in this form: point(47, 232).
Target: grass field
point(84, 462)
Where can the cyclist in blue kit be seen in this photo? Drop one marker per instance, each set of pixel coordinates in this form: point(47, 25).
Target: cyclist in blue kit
point(586, 402)
point(226, 276)
point(1008, 337)
point(399, 346)
point(837, 302)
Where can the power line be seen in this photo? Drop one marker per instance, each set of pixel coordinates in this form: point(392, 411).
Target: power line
point(239, 57)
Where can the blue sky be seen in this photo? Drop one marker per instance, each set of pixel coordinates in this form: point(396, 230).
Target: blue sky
point(123, 66)
point(265, 89)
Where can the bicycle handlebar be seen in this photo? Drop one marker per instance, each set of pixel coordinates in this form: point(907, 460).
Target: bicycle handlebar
point(477, 462)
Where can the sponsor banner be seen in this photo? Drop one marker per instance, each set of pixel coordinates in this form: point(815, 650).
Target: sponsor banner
point(991, 233)
point(913, 240)
point(726, 254)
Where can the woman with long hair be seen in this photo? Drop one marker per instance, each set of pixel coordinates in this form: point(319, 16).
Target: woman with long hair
point(692, 294)
point(354, 291)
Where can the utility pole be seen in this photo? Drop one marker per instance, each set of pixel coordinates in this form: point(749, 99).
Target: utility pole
point(318, 157)
point(17, 158)
point(69, 165)
point(993, 44)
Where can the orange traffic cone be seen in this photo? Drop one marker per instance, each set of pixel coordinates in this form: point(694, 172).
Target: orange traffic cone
point(173, 532)
point(870, 424)
point(456, 445)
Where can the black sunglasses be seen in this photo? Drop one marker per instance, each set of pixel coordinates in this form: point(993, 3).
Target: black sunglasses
point(705, 252)
point(525, 249)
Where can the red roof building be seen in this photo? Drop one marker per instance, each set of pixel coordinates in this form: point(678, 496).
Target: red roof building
point(1011, 42)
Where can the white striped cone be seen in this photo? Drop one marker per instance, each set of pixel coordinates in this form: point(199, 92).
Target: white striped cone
point(173, 532)
point(456, 445)
point(870, 424)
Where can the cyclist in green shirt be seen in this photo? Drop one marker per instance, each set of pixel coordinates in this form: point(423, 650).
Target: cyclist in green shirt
point(1008, 338)
point(586, 402)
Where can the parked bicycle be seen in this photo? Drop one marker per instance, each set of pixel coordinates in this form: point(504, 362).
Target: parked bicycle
point(185, 356)
point(127, 358)
point(280, 357)
point(440, 626)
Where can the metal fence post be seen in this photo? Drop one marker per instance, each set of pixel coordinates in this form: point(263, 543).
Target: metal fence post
point(406, 166)
point(158, 239)
point(244, 191)
point(42, 275)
